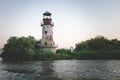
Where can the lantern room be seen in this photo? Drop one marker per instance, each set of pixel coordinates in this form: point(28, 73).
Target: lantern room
point(47, 19)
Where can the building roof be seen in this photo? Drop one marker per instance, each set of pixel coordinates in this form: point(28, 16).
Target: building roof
point(47, 13)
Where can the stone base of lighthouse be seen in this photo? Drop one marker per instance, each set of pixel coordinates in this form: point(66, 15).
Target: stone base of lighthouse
point(48, 49)
point(47, 46)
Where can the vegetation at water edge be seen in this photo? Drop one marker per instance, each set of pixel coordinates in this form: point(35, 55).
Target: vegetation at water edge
point(27, 49)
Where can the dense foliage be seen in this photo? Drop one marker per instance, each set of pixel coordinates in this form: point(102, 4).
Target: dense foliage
point(98, 48)
point(26, 49)
point(19, 49)
point(98, 43)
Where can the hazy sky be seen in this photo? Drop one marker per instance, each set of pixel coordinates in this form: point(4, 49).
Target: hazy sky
point(74, 20)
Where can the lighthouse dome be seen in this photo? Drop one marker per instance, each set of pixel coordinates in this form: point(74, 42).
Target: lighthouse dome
point(47, 13)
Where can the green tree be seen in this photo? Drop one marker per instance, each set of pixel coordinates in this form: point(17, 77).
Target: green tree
point(19, 49)
point(98, 48)
point(82, 46)
point(63, 51)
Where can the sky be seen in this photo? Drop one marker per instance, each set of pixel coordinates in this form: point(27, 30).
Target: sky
point(74, 20)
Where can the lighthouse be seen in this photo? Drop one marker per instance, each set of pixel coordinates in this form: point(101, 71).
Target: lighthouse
point(47, 42)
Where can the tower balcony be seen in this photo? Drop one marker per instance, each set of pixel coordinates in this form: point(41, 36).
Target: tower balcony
point(43, 23)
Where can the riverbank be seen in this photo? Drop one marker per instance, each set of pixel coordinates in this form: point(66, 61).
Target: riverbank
point(81, 55)
point(99, 55)
point(27, 49)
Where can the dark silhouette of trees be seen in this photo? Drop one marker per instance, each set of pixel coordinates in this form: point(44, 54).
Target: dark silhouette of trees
point(98, 43)
point(19, 49)
point(62, 51)
point(98, 48)
point(27, 48)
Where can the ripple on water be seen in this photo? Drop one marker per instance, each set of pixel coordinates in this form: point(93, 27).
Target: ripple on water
point(61, 70)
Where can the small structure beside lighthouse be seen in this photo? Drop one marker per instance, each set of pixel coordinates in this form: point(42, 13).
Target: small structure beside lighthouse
point(47, 42)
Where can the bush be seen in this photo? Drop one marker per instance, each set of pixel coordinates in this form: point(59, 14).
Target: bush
point(98, 55)
point(19, 49)
point(46, 55)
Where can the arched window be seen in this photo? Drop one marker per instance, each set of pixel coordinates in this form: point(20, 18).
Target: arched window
point(40, 42)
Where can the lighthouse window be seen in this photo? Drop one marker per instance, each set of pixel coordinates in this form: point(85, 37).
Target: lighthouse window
point(40, 42)
point(45, 43)
point(45, 32)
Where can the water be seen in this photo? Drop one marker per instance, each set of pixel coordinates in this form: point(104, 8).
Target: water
point(61, 70)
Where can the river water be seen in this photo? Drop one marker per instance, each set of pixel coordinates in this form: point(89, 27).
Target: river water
point(61, 70)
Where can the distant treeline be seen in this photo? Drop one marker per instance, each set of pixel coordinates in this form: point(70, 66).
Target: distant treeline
point(27, 49)
point(98, 43)
point(98, 48)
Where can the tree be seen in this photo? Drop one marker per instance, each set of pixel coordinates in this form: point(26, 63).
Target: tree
point(98, 43)
point(82, 46)
point(63, 51)
point(19, 49)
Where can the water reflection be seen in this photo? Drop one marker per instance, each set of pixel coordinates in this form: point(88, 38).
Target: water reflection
point(66, 69)
point(61, 70)
point(47, 68)
point(38, 70)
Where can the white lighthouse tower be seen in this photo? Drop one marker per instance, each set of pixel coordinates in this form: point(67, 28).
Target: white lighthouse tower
point(47, 42)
